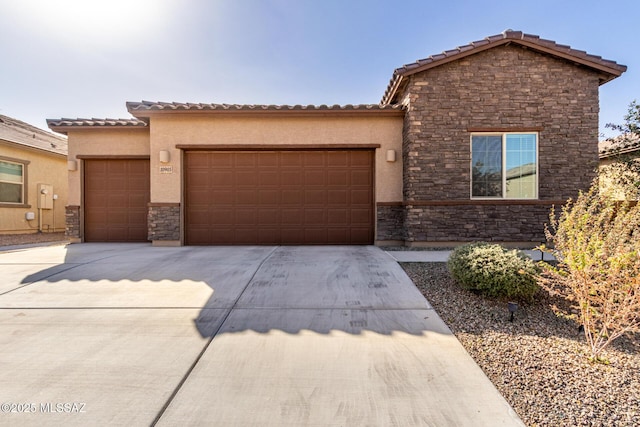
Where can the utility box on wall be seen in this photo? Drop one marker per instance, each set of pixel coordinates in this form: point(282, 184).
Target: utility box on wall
point(45, 196)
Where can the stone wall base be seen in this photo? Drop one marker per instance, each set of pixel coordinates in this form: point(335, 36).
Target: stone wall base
point(469, 223)
point(72, 223)
point(164, 222)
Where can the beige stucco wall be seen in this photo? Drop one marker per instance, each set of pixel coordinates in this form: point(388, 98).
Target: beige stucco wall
point(102, 142)
point(167, 131)
point(44, 168)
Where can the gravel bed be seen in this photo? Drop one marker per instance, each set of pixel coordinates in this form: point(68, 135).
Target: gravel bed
point(539, 362)
point(31, 238)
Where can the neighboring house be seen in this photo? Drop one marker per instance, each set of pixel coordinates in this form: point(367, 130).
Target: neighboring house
point(33, 178)
point(476, 143)
point(621, 149)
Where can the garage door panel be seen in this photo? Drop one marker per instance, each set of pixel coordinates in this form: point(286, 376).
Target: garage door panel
point(291, 216)
point(291, 177)
point(221, 216)
point(315, 197)
point(315, 177)
point(338, 177)
point(218, 177)
point(246, 178)
point(314, 158)
point(337, 235)
point(268, 160)
point(269, 197)
point(360, 158)
point(269, 217)
point(360, 236)
point(291, 159)
point(268, 178)
point(221, 160)
point(361, 177)
point(281, 197)
point(339, 158)
point(246, 160)
point(292, 197)
point(338, 197)
point(360, 216)
point(316, 235)
point(338, 217)
point(360, 197)
point(115, 200)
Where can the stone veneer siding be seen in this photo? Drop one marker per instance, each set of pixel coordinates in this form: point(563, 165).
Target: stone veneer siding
point(390, 220)
point(506, 87)
point(164, 221)
point(72, 221)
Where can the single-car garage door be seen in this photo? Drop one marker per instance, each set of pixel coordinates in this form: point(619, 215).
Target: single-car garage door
point(279, 197)
point(116, 195)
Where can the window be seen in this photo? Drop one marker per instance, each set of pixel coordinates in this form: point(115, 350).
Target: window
point(504, 166)
point(12, 182)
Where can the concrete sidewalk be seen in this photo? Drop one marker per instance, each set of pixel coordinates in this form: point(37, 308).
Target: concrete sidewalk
point(269, 336)
point(443, 255)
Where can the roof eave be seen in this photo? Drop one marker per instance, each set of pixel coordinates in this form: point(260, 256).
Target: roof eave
point(607, 73)
point(147, 110)
point(32, 148)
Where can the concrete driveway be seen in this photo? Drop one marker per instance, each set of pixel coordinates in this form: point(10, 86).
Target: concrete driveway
point(127, 334)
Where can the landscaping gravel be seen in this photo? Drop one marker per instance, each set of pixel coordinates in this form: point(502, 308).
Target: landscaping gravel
point(31, 239)
point(539, 362)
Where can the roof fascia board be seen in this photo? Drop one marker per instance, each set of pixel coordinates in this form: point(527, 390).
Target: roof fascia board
point(30, 148)
point(273, 113)
point(65, 129)
point(535, 46)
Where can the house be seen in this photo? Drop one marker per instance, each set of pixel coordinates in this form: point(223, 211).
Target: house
point(476, 143)
point(623, 149)
point(33, 178)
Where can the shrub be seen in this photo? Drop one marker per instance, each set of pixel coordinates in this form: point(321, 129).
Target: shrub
point(597, 243)
point(494, 271)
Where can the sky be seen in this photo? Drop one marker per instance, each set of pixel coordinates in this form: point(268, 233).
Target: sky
point(86, 58)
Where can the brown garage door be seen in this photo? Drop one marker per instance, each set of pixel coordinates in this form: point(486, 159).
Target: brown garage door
point(279, 197)
point(116, 194)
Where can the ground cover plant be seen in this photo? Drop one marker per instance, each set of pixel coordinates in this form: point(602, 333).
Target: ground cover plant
point(494, 271)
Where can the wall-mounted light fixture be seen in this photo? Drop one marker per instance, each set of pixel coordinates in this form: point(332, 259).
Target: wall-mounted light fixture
point(165, 156)
point(72, 165)
point(391, 155)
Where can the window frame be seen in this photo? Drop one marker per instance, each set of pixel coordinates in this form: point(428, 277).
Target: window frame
point(503, 136)
point(25, 186)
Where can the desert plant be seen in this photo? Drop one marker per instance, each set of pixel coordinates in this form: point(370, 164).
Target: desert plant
point(596, 241)
point(494, 271)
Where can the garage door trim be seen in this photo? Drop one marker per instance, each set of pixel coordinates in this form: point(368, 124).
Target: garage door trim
point(276, 147)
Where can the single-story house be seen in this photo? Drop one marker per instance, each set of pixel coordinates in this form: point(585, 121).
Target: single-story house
point(475, 143)
point(33, 178)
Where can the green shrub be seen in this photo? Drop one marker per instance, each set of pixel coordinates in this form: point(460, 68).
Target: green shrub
point(494, 271)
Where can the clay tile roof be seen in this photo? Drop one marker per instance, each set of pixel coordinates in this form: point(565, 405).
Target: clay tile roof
point(608, 69)
point(142, 109)
point(622, 144)
point(21, 133)
point(63, 125)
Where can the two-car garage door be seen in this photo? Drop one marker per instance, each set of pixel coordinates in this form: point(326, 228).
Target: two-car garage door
point(279, 197)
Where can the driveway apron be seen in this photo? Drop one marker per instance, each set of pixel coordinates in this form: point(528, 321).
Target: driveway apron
point(240, 336)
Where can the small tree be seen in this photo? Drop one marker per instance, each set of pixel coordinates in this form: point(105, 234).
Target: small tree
point(596, 240)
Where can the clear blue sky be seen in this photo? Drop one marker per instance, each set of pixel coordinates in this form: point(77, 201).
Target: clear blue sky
point(86, 58)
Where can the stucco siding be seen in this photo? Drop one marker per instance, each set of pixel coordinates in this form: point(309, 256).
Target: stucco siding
point(43, 168)
point(102, 142)
point(167, 132)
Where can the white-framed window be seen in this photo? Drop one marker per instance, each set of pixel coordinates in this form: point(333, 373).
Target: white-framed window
point(504, 165)
point(12, 182)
